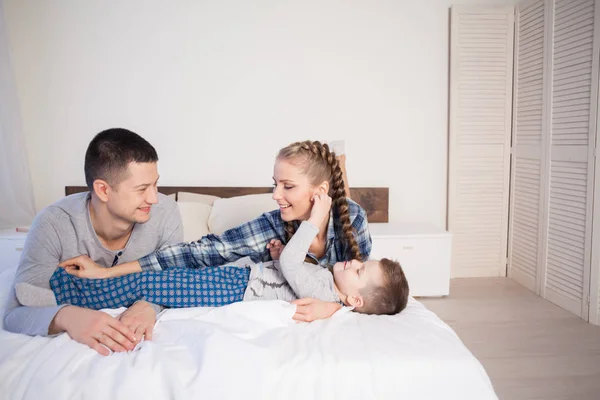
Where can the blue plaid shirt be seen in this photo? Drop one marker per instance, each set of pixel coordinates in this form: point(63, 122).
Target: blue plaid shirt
point(250, 239)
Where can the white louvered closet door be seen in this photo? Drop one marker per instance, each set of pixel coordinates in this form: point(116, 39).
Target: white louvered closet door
point(526, 232)
point(481, 54)
point(573, 126)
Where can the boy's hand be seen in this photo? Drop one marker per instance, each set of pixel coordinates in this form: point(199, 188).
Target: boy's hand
point(84, 267)
point(275, 248)
point(320, 209)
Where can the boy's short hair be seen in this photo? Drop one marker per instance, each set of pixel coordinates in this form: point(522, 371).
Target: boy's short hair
point(391, 296)
point(110, 152)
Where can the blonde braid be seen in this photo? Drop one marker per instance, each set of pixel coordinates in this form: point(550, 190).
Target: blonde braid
point(337, 193)
point(290, 229)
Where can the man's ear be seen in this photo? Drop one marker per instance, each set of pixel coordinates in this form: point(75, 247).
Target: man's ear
point(356, 301)
point(101, 189)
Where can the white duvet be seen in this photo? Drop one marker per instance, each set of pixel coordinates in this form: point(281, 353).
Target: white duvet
point(253, 350)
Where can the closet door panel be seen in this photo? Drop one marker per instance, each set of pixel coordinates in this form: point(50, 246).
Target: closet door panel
point(528, 168)
point(481, 55)
point(571, 167)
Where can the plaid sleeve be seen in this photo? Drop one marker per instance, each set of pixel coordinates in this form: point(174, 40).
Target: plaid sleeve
point(249, 239)
point(361, 229)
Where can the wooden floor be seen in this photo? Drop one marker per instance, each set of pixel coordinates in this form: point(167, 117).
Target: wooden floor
point(530, 348)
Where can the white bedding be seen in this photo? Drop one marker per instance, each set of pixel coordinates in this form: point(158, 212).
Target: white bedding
point(253, 350)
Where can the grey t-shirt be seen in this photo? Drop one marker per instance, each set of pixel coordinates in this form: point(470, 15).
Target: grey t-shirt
point(291, 278)
point(64, 230)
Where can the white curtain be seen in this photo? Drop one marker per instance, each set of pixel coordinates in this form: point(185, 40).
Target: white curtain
point(17, 206)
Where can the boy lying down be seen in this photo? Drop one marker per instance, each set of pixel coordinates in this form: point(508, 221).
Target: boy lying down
point(371, 287)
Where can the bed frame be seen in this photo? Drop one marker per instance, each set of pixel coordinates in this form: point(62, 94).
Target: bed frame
point(375, 200)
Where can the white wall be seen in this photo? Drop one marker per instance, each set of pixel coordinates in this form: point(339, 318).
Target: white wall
point(219, 86)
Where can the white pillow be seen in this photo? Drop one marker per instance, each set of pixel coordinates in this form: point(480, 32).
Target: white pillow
point(197, 198)
point(195, 210)
point(7, 278)
point(231, 212)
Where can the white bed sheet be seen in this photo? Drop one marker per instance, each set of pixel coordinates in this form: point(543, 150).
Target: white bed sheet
point(254, 350)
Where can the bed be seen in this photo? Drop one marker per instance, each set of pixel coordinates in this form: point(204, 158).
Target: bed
point(253, 350)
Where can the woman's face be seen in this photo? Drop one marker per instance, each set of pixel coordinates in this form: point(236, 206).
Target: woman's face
point(292, 191)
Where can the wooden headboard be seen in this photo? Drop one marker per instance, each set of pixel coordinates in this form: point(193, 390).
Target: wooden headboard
point(375, 201)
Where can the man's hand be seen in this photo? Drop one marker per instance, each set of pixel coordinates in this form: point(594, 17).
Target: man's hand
point(84, 267)
point(94, 329)
point(309, 310)
point(140, 319)
point(275, 248)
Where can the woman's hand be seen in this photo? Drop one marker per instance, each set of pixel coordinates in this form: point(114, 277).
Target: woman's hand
point(308, 309)
point(84, 267)
point(320, 209)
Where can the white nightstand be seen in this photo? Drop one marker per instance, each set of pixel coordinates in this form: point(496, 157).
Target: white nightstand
point(11, 248)
point(422, 250)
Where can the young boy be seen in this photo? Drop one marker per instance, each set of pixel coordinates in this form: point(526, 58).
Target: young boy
point(371, 287)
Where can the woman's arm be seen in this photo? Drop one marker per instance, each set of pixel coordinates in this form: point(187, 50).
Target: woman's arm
point(85, 267)
point(309, 310)
point(249, 239)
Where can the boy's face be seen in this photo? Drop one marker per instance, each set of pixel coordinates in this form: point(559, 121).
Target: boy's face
point(351, 277)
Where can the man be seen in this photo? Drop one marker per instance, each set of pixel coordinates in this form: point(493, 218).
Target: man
point(120, 219)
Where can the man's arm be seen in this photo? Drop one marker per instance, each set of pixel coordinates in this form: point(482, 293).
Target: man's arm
point(40, 257)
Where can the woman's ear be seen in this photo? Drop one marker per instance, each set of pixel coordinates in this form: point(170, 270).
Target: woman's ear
point(324, 187)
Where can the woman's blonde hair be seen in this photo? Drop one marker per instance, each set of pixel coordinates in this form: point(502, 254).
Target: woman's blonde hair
point(316, 161)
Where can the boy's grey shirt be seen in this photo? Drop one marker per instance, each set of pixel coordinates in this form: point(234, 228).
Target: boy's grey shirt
point(64, 230)
point(291, 278)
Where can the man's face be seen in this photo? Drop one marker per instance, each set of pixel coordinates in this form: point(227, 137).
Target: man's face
point(131, 199)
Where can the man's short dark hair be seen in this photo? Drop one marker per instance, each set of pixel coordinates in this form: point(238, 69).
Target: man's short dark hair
point(111, 151)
